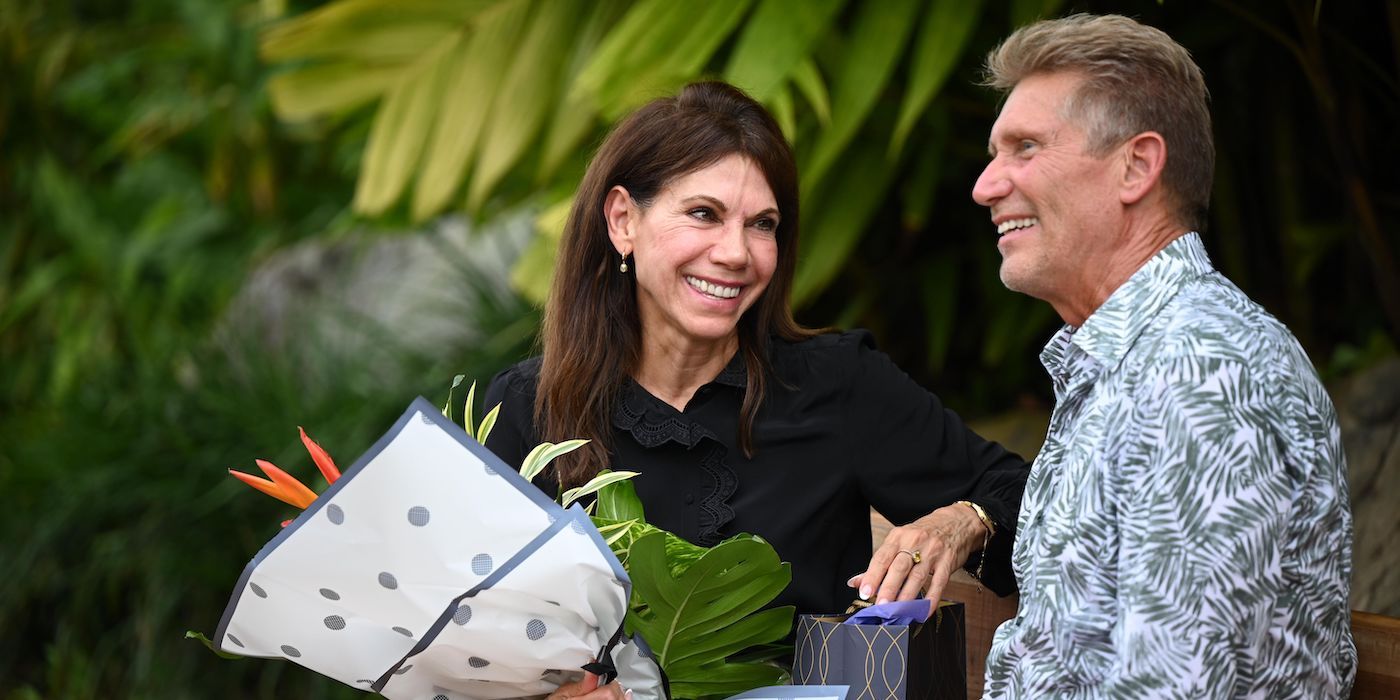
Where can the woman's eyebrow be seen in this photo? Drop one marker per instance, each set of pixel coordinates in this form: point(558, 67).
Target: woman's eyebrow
point(719, 205)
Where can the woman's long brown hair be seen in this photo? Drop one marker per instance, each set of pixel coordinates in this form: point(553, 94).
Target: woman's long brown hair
point(591, 333)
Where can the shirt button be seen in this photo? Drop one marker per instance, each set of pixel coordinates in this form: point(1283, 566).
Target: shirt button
point(689, 499)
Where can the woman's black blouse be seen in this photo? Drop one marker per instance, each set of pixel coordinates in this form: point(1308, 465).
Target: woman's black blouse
point(848, 432)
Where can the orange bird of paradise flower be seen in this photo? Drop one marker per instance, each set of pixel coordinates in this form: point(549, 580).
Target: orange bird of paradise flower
point(285, 487)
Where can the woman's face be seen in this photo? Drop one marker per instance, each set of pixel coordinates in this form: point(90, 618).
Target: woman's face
point(703, 252)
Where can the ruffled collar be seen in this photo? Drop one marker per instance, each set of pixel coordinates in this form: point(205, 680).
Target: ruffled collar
point(653, 423)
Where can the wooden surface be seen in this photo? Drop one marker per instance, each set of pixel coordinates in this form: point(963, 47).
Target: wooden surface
point(1377, 656)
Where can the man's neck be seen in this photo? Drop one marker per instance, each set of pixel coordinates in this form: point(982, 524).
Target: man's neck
point(1142, 241)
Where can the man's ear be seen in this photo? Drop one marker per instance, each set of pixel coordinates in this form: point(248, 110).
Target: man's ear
point(621, 214)
point(1144, 156)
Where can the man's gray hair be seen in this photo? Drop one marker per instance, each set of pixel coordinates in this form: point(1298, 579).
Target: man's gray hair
point(1135, 79)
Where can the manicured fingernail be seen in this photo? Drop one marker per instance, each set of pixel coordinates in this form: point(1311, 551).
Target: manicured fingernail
point(627, 694)
point(852, 580)
point(865, 592)
point(882, 601)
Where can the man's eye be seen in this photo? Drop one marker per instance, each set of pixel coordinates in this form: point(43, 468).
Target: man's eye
point(1025, 146)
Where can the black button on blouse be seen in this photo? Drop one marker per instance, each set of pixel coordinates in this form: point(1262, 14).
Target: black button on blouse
point(842, 429)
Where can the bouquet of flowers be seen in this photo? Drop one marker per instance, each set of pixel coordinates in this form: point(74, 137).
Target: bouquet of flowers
point(430, 569)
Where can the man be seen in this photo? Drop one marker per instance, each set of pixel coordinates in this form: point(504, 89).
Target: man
point(1185, 530)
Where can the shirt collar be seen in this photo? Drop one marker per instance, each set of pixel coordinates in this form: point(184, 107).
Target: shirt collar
point(735, 374)
point(1111, 330)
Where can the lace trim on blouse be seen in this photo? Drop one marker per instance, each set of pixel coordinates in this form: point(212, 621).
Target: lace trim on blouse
point(651, 429)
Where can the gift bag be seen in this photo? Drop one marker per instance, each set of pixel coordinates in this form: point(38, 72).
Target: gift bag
point(925, 661)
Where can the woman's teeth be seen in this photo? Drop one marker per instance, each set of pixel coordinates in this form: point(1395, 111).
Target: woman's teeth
point(713, 290)
point(1013, 224)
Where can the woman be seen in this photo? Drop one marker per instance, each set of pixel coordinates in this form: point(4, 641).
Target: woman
point(668, 342)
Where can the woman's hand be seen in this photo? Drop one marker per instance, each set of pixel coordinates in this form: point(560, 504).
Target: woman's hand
point(917, 559)
point(588, 689)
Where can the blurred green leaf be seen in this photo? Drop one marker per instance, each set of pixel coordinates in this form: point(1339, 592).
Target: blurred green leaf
point(532, 80)
point(809, 80)
point(328, 89)
point(401, 129)
point(775, 40)
point(876, 42)
point(838, 222)
point(473, 83)
point(946, 29)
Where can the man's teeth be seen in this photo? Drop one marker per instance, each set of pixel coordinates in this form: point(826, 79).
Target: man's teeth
point(1013, 224)
point(713, 290)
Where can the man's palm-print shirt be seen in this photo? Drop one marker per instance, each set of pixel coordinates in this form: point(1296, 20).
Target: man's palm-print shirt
point(1185, 530)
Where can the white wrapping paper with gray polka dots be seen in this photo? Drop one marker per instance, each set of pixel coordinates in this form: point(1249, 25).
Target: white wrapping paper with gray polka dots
point(431, 570)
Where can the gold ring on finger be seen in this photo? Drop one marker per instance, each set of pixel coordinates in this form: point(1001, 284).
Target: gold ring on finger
point(913, 554)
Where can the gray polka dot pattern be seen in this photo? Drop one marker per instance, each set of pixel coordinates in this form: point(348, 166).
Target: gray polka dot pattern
point(577, 526)
point(426, 420)
point(403, 631)
point(235, 640)
point(481, 564)
point(387, 580)
point(418, 515)
point(335, 622)
point(329, 594)
point(535, 629)
point(478, 662)
point(489, 470)
point(291, 651)
point(440, 696)
point(463, 615)
point(335, 514)
point(257, 590)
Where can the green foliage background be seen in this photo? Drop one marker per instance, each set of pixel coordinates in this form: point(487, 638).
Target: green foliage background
point(144, 178)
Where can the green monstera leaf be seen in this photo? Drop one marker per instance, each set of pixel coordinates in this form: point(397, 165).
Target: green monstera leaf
point(695, 620)
point(698, 607)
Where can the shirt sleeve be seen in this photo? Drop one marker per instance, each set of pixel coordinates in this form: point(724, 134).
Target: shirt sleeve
point(1204, 496)
point(913, 455)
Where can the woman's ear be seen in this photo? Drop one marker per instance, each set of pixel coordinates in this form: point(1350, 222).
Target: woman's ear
point(1145, 156)
point(621, 214)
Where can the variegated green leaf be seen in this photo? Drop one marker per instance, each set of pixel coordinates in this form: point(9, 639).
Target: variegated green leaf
point(603, 479)
point(534, 270)
point(487, 423)
point(544, 453)
point(467, 418)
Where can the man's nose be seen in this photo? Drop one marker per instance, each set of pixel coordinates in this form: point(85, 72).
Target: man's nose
point(991, 185)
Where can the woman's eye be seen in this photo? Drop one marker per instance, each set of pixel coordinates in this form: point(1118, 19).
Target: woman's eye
point(766, 224)
point(703, 214)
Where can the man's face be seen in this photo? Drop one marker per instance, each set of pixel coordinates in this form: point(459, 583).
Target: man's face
point(1056, 208)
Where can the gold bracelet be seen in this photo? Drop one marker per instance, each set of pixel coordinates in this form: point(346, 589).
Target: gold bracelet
point(989, 529)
